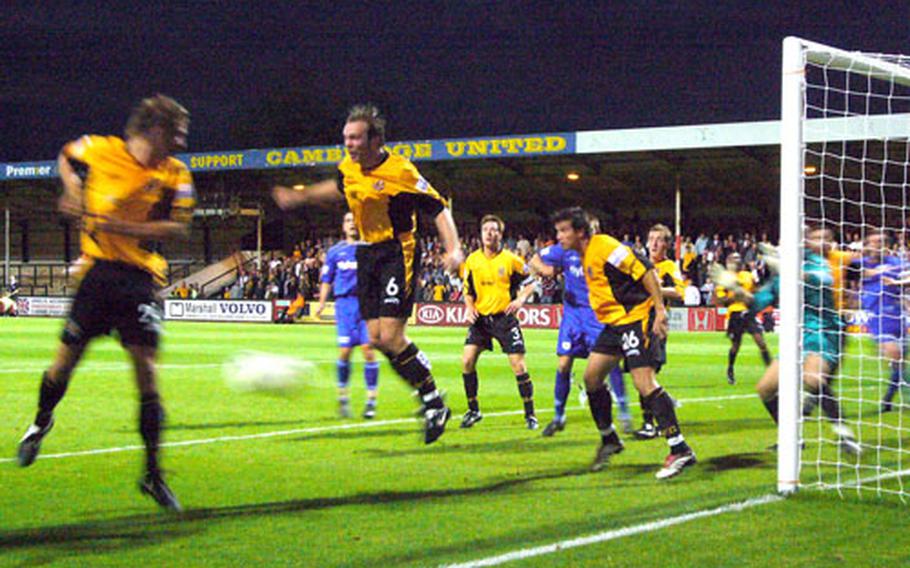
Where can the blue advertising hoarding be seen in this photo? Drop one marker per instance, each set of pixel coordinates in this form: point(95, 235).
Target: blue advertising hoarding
point(510, 146)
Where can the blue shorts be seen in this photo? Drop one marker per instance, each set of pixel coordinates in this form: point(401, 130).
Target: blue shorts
point(887, 329)
point(352, 330)
point(578, 332)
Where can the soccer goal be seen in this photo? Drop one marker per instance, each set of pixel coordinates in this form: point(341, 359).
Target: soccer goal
point(845, 168)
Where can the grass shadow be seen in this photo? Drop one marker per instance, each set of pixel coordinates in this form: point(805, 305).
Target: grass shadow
point(754, 460)
point(244, 424)
point(145, 530)
point(512, 446)
point(356, 434)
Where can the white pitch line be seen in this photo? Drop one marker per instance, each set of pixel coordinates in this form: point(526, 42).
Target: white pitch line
point(614, 534)
point(652, 526)
point(873, 479)
point(311, 430)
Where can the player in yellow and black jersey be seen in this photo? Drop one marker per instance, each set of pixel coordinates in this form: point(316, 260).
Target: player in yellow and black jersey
point(497, 283)
point(739, 319)
point(385, 192)
point(672, 287)
point(625, 295)
point(134, 193)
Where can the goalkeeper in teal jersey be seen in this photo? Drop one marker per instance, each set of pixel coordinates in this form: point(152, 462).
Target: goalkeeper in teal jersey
point(822, 335)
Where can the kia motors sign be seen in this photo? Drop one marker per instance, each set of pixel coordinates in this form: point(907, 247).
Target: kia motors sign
point(540, 316)
point(219, 310)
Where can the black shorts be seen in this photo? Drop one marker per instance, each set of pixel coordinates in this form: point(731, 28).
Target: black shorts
point(503, 327)
point(739, 323)
point(115, 296)
point(386, 279)
point(635, 342)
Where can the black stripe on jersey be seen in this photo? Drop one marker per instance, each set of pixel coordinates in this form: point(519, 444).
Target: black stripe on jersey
point(668, 281)
point(403, 206)
point(469, 285)
point(627, 291)
point(159, 212)
point(79, 167)
point(162, 209)
point(340, 182)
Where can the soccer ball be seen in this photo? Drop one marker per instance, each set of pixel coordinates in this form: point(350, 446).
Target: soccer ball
point(266, 373)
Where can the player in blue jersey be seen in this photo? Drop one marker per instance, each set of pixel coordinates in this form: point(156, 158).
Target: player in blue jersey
point(881, 298)
point(578, 330)
point(339, 274)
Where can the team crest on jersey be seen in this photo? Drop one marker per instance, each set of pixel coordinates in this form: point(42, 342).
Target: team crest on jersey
point(590, 272)
point(502, 271)
point(379, 185)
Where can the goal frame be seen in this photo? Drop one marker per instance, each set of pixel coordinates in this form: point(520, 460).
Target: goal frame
point(796, 53)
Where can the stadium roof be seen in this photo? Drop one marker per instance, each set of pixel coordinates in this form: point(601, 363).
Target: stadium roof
point(672, 138)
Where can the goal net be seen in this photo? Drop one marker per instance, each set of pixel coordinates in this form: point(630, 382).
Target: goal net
point(845, 195)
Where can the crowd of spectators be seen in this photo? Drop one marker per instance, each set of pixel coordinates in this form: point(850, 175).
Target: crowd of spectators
point(287, 275)
point(281, 275)
point(696, 255)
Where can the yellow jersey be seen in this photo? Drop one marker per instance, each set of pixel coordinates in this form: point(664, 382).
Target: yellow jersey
point(119, 187)
point(493, 280)
point(839, 261)
point(614, 275)
point(669, 276)
point(385, 199)
point(747, 282)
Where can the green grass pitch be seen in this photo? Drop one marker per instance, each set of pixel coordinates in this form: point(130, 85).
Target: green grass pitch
point(282, 481)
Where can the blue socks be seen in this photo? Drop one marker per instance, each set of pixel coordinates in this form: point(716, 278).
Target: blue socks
point(344, 373)
point(371, 374)
point(618, 386)
point(561, 394)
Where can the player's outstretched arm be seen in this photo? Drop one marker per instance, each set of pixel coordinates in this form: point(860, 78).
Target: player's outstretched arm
point(70, 203)
point(521, 297)
point(540, 268)
point(670, 293)
point(448, 234)
point(324, 192)
point(146, 230)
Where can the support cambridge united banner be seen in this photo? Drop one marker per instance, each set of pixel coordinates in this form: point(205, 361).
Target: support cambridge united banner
point(508, 146)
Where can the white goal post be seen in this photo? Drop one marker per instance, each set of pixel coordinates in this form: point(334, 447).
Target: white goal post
point(841, 112)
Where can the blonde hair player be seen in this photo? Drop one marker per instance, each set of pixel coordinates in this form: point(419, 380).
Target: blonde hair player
point(134, 192)
point(672, 287)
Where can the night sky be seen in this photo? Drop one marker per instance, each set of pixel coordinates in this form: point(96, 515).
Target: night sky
point(261, 74)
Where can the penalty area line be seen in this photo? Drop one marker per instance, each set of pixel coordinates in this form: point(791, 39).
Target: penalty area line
point(311, 430)
point(525, 553)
